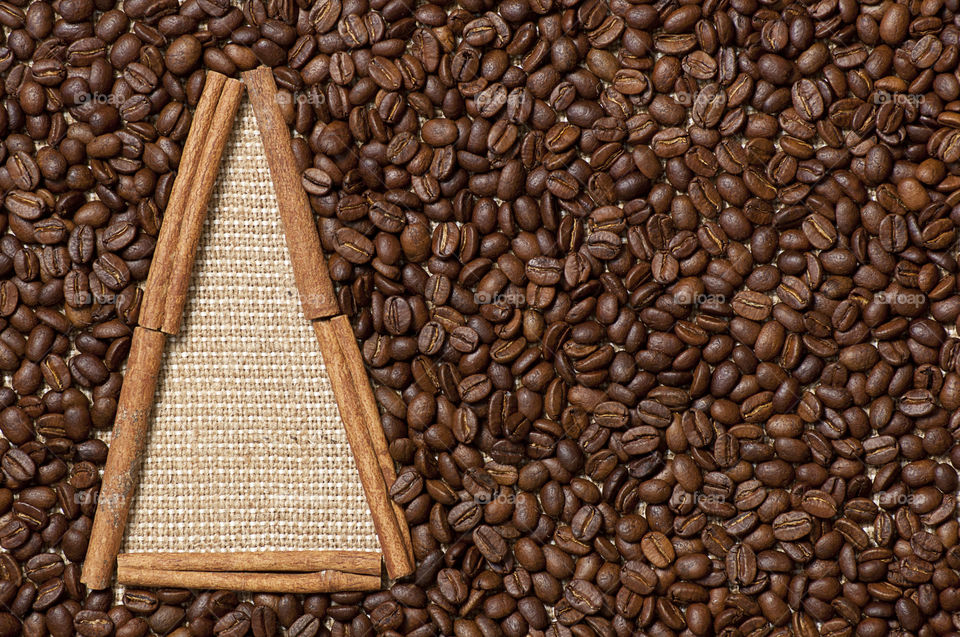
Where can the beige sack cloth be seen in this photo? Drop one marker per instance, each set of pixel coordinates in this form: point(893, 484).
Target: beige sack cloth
point(246, 450)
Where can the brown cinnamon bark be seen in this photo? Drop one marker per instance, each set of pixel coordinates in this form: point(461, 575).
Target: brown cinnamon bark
point(340, 325)
point(195, 209)
point(319, 582)
point(360, 562)
point(155, 289)
point(309, 269)
point(396, 555)
point(123, 461)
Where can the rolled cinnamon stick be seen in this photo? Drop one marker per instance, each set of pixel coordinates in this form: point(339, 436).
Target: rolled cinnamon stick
point(319, 582)
point(359, 562)
point(155, 289)
point(340, 326)
point(396, 556)
point(195, 208)
point(126, 452)
point(309, 269)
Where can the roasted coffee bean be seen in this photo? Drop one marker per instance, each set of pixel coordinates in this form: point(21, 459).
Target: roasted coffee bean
point(657, 549)
point(490, 543)
point(583, 596)
point(792, 525)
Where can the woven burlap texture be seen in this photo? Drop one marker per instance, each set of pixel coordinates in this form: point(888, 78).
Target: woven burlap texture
point(246, 450)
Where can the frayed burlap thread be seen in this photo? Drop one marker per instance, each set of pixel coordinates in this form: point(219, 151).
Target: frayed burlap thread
point(246, 450)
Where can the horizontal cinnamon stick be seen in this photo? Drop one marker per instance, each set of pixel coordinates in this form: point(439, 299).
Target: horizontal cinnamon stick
point(340, 325)
point(360, 562)
point(126, 452)
point(309, 269)
point(396, 555)
point(155, 289)
point(195, 208)
point(319, 582)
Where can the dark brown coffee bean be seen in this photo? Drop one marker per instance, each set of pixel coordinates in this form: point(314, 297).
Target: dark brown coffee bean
point(91, 623)
point(819, 504)
point(490, 543)
point(583, 596)
point(792, 526)
point(657, 549)
point(316, 181)
point(183, 54)
point(353, 246)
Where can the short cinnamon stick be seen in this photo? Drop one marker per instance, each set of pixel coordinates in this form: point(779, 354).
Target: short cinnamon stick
point(340, 325)
point(396, 555)
point(360, 562)
point(320, 582)
point(195, 208)
point(309, 269)
point(126, 452)
point(155, 289)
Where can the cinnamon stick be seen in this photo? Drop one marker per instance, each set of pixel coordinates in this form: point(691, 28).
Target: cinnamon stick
point(359, 562)
point(396, 555)
point(309, 270)
point(155, 289)
point(340, 326)
point(319, 582)
point(195, 208)
point(126, 452)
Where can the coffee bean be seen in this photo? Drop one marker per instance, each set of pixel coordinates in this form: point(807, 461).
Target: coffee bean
point(490, 543)
point(140, 601)
point(657, 549)
point(183, 54)
point(741, 564)
point(819, 504)
point(91, 623)
point(583, 596)
point(792, 525)
point(165, 618)
point(305, 626)
point(264, 622)
point(439, 132)
point(353, 246)
point(316, 181)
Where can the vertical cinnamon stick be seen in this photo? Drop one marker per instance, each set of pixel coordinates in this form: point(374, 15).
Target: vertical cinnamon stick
point(155, 289)
point(309, 270)
point(340, 326)
point(320, 582)
point(195, 208)
point(126, 452)
point(396, 555)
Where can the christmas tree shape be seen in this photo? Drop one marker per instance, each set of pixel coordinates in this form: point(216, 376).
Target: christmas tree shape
point(262, 465)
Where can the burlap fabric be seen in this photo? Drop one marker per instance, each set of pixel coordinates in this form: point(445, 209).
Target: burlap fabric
point(246, 450)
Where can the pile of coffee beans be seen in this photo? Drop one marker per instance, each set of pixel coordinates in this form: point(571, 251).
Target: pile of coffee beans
point(659, 299)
